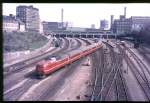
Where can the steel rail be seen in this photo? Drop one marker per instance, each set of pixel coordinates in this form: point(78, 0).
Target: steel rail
point(23, 63)
point(92, 98)
point(141, 65)
point(32, 82)
point(138, 77)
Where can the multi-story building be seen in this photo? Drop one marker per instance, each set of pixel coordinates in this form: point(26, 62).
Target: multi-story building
point(10, 23)
point(122, 25)
point(103, 24)
point(50, 26)
point(30, 16)
point(127, 25)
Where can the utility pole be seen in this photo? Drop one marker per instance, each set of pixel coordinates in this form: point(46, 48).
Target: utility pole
point(107, 35)
point(115, 37)
point(127, 60)
point(62, 11)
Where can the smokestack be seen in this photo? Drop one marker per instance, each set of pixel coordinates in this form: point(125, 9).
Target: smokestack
point(112, 20)
point(125, 12)
point(62, 11)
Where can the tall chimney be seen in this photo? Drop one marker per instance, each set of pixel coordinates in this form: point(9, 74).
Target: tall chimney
point(112, 20)
point(62, 11)
point(125, 12)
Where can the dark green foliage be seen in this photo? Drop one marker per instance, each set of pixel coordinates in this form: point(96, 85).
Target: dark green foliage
point(142, 36)
point(16, 41)
point(145, 34)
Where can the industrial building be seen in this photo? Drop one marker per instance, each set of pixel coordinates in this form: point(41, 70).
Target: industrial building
point(30, 16)
point(128, 25)
point(125, 25)
point(104, 24)
point(53, 26)
point(50, 26)
point(122, 25)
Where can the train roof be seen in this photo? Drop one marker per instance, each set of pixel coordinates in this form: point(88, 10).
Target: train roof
point(52, 56)
point(63, 56)
point(83, 49)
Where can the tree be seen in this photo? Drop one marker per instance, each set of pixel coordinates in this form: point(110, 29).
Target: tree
point(142, 35)
point(145, 33)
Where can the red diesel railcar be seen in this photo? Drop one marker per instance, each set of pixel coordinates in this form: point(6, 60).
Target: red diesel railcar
point(46, 67)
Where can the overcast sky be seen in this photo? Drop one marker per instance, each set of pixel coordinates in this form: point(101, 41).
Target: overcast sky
point(82, 14)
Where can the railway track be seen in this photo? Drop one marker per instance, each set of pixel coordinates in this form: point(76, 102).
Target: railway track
point(51, 89)
point(144, 52)
point(140, 75)
point(99, 76)
point(28, 83)
point(33, 61)
point(97, 82)
point(145, 71)
point(65, 76)
point(28, 76)
point(112, 57)
point(110, 78)
point(86, 41)
point(20, 65)
point(121, 88)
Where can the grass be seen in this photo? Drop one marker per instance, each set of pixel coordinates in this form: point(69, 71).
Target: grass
point(38, 44)
point(16, 41)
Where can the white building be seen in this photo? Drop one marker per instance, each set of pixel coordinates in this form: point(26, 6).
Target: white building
point(30, 16)
point(22, 28)
point(10, 23)
point(41, 27)
point(10, 26)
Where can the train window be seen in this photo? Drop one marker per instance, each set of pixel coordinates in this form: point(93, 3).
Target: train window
point(53, 59)
point(39, 66)
point(122, 41)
